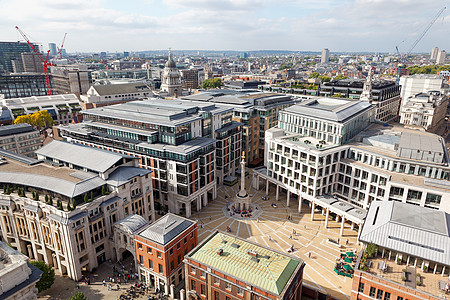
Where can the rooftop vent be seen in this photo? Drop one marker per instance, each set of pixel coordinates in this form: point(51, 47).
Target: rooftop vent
point(252, 253)
point(220, 251)
point(256, 260)
point(235, 246)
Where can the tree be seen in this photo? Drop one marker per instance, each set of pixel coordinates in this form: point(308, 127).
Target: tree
point(314, 75)
point(371, 250)
point(325, 78)
point(48, 275)
point(211, 83)
point(339, 77)
point(78, 296)
point(40, 119)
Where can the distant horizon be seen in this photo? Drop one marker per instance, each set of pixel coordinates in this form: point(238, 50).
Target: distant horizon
point(353, 26)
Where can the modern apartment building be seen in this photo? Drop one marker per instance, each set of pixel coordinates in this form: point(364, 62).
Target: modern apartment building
point(255, 110)
point(189, 146)
point(160, 251)
point(62, 108)
point(190, 79)
point(70, 80)
point(18, 277)
point(20, 138)
point(23, 85)
point(412, 256)
point(385, 95)
point(62, 208)
point(32, 63)
point(224, 266)
point(343, 165)
point(425, 110)
point(325, 57)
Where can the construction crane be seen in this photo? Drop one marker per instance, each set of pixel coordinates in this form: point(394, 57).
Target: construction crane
point(419, 38)
point(62, 45)
point(44, 61)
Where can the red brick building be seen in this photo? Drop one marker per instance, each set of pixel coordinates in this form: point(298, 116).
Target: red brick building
point(160, 250)
point(225, 267)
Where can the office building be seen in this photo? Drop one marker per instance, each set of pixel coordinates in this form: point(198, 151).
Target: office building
point(18, 277)
point(325, 154)
point(190, 79)
point(325, 57)
point(385, 95)
point(23, 85)
point(32, 63)
point(10, 53)
point(61, 208)
point(440, 58)
point(412, 259)
point(255, 110)
point(420, 83)
point(104, 95)
point(70, 80)
point(160, 251)
point(52, 48)
point(100, 76)
point(224, 266)
point(62, 108)
point(434, 53)
point(190, 146)
point(20, 138)
point(425, 110)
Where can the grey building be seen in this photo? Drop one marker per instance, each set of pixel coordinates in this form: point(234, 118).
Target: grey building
point(20, 138)
point(23, 85)
point(10, 56)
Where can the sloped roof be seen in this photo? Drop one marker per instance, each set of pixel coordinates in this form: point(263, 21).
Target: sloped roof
point(87, 157)
point(418, 231)
point(124, 88)
point(132, 223)
point(270, 270)
point(166, 228)
point(123, 174)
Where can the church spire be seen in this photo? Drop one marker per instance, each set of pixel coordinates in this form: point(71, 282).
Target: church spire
point(366, 94)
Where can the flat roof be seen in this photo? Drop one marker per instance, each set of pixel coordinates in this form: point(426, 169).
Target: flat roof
point(15, 129)
point(270, 270)
point(418, 231)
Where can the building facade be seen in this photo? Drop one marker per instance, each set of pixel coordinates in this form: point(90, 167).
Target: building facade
point(171, 79)
point(62, 208)
point(160, 251)
point(23, 85)
point(10, 56)
point(20, 138)
point(70, 80)
point(224, 266)
point(325, 57)
point(190, 146)
point(420, 83)
point(32, 63)
point(425, 110)
point(190, 79)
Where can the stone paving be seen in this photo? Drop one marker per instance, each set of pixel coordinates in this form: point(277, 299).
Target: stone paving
point(273, 229)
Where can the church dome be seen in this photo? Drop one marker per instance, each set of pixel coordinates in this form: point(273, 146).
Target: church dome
point(170, 63)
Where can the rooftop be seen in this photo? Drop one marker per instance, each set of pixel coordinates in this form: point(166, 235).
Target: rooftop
point(414, 230)
point(39, 100)
point(132, 222)
point(166, 229)
point(124, 88)
point(331, 109)
point(15, 129)
point(87, 157)
point(359, 83)
point(268, 269)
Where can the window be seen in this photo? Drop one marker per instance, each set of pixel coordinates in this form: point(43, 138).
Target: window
point(179, 259)
point(216, 280)
point(372, 291)
point(216, 295)
point(140, 246)
point(387, 296)
point(361, 287)
point(193, 285)
point(158, 254)
point(150, 264)
point(399, 298)
point(380, 294)
point(202, 289)
point(171, 266)
point(203, 274)
point(178, 246)
point(185, 240)
point(171, 251)
point(141, 259)
point(240, 291)
point(149, 250)
point(227, 286)
point(227, 298)
point(192, 270)
point(160, 268)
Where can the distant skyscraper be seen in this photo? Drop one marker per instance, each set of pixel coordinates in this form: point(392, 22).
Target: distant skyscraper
point(126, 54)
point(52, 48)
point(9, 53)
point(244, 55)
point(434, 53)
point(325, 58)
point(440, 59)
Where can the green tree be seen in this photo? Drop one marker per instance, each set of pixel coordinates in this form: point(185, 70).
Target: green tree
point(325, 78)
point(339, 77)
point(211, 83)
point(40, 119)
point(48, 275)
point(78, 296)
point(371, 250)
point(74, 203)
point(314, 75)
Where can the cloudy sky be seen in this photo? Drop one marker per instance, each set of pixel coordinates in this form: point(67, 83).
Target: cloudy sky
point(133, 25)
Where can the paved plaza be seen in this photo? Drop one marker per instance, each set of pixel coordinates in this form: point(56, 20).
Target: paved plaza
point(269, 227)
point(273, 229)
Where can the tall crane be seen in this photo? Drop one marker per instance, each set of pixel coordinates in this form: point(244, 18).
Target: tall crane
point(44, 61)
point(62, 45)
point(419, 38)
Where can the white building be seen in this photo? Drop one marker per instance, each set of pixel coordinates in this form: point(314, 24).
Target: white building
point(62, 108)
point(20, 138)
point(325, 57)
point(434, 53)
point(420, 83)
point(92, 189)
point(344, 176)
point(440, 59)
point(171, 79)
point(425, 110)
point(18, 278)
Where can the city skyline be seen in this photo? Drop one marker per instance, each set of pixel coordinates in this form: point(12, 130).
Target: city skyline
point(340, 26)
